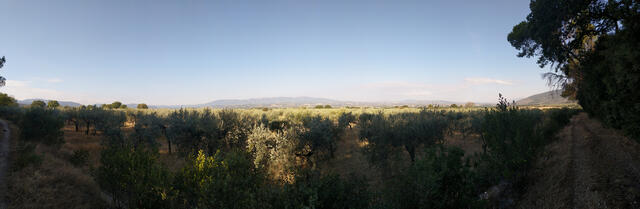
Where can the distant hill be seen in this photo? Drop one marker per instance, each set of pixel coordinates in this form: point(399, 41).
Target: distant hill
point(278, 102)
point(271, 102)
point(62, 103)
point(547, 98)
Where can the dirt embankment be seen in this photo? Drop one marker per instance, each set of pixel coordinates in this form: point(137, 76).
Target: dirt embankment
point(589, 166)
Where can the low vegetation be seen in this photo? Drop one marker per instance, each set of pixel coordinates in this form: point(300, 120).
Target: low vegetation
point(188, 158)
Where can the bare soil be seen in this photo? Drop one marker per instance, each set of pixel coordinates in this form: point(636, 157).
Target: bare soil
point(589, 166)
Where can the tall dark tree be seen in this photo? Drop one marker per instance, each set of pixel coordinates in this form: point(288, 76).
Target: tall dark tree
point(2, 79)
point(592, 46)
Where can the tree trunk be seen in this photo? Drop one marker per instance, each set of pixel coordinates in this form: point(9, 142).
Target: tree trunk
point(412, 152)
point(88, 126)
point(164, 132)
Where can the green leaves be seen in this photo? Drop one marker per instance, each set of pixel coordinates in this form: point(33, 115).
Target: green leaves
point(386, 133)
point(42, 125)
point(440, 180)
point(133, 176)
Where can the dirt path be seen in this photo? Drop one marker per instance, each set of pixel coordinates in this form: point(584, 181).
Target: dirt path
point(587, 167)
point(4, 161)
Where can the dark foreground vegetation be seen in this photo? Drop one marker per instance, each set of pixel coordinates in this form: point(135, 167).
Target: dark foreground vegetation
point(233, 159)
point(592, 47)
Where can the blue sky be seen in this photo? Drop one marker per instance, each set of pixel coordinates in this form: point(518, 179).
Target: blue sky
point(187, 52)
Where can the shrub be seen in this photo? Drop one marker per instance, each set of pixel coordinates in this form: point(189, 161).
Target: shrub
point(12, 113)
point(511, 138)
point(219, 181)
point(133, 176)
point(313, 190)
point(7, 101)
point(345, 119)
point(42, 125)
point(25, 157)
point(441, 180)
point(388, 134)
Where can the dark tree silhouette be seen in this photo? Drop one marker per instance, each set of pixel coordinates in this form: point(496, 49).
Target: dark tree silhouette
point(592, 48)
point(2, 79)
point(142, 106)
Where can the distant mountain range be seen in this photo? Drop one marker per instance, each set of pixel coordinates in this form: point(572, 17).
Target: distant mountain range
point(300, 102)
point(547, 98)
point(62, 103)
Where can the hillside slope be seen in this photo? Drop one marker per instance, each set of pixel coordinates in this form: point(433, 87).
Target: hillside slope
point(547, 98)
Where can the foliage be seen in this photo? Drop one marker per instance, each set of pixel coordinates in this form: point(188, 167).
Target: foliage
point(313, 190)
point(441, 180)
point(384, 134)
point(611, 76)
point(319, 137)
point(510, 139)
point(7, 101)
point(38, 103)
point(132, 175)
point(345, 119)
point(193, 130)
point(272, 149)
point(593, 45)
point(142, 106)
point(42, 125)
point(219, 181)
point(25, 156)
point(147, 129)
point(12, 113)
point(53, 104)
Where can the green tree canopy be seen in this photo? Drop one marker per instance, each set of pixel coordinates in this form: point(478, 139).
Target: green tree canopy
point(6, 100)
point(560, 33)
point(142, 106)
point(592, 46)
point(38, 103)
point(53, 104)
point(115, 105)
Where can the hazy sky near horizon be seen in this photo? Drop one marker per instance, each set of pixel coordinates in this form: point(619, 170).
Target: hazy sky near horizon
point(195, 51)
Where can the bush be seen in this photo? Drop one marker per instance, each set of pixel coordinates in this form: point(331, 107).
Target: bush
point(219, 181)
point(441, 180)
point(386, 135)
point(12, 113)
point(313, 190)
point(133, 176)
point(510, 139)
point(7, 101)
point(26, 157)
point(42, 125)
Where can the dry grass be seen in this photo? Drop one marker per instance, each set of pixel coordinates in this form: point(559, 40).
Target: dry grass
point(589, 166)
point(55, 183)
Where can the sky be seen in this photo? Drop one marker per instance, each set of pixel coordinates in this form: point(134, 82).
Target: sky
point(195, 51)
